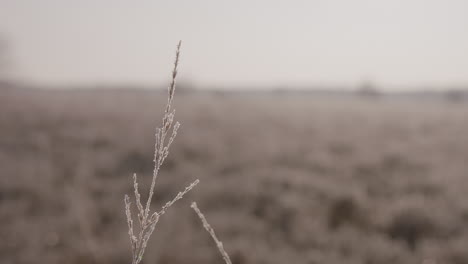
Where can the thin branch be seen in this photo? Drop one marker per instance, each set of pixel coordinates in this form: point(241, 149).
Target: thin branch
point(164, 136)
point(211, 231)
point(178, 197)
point(162, 132)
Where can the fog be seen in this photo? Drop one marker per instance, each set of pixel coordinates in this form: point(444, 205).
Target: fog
point(321, 132)
point(399, 45)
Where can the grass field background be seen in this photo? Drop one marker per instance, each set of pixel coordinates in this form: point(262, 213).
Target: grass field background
point(285, 178)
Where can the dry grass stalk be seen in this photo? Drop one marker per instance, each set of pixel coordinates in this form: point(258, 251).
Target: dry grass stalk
point(211, 231)
point(147, 221)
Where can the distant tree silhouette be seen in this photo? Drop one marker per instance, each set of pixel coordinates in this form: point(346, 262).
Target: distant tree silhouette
point(456, 95)
point(3, 48)
point(6, 81)
point(4, 60)
point(368, 89)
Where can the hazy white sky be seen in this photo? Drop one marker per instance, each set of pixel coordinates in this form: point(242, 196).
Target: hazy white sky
point(244, 42)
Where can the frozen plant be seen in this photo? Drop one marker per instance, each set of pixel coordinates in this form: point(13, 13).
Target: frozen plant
point(211, 231)
point(147, 220)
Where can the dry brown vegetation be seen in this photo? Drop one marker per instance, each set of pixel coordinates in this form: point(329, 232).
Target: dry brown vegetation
point(285, 178)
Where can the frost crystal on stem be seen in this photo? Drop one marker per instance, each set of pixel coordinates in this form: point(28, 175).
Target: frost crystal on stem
point(165, 135)
point(211, 231)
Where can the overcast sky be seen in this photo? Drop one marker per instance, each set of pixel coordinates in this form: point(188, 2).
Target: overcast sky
point(395, 43)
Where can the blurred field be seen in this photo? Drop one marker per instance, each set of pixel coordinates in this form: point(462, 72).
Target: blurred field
point(284, 178)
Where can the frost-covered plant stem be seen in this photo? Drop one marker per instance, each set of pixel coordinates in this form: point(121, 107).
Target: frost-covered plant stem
point(147, 221)
point(211, 231)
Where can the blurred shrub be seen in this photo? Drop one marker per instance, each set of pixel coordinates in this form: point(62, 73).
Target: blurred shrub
point(457, 257)
point(457, 253)
point(345, 210)
point(411, 226)
point(279, 216)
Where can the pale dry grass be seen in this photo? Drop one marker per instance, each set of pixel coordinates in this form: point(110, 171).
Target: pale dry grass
point(275, 172)
point(212, 233)
point(148, 220)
